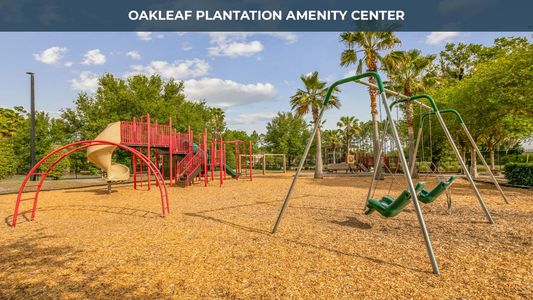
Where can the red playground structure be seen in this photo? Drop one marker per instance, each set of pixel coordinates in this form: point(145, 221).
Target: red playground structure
point(158, 153)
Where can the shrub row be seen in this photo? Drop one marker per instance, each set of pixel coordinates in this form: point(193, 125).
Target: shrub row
point(519, 173)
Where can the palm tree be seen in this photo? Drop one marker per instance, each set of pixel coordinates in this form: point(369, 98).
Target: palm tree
point(408, 71)
point(370, 44)
point(332, 139)
point(348, 126)
point(310, 99)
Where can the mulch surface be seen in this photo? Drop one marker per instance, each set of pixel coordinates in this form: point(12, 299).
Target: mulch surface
point(216, 243)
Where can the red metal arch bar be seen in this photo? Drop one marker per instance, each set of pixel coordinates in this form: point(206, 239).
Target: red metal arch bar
point(84, 144)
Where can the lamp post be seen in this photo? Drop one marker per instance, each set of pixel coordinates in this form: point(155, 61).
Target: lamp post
point(32, 121)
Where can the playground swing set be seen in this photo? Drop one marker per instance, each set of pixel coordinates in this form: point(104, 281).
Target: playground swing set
point(153, 148)
point(188, 161)
point(388, 206)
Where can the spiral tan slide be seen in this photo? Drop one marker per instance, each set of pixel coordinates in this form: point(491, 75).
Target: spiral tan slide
point(101, 155)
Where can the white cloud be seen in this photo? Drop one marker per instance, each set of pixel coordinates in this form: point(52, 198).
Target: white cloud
point(148, 36)
point(179, 69)
point(135, 55)
point(68, 64)
point(186, 46)
point(435, 38)
point(228, 93)
point(94, 57)
point(251, 118)
point(87, 82)
point(289, 37)
point(237, 43)
point(236, 49)
point(51, 55)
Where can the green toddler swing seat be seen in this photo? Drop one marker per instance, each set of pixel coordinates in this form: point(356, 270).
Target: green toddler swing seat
point(389, 207)
point(428, 197)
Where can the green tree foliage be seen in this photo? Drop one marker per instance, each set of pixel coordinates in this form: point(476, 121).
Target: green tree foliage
point(10, 120)
point(60, 169)
point(287, 134)
point(8, 161)
point(495, 98)
point(310, 99)
point(457, 60)
point(48, 131)
point(120, 99)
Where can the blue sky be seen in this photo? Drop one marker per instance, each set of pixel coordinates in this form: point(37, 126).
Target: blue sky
point(250, 75)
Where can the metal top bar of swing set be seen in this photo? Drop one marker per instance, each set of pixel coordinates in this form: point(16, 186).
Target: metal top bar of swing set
point(461, 122)
point(399, 146)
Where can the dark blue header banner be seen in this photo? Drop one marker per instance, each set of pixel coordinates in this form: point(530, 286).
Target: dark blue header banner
point(265, 15)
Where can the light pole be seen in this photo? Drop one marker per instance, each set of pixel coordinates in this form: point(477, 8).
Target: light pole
point(32, 121)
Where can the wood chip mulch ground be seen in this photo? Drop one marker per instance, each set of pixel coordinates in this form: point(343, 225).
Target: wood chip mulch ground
point(216, 244)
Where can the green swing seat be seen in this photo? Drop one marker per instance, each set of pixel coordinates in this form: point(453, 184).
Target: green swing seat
point(389, 207)
point(428, 197)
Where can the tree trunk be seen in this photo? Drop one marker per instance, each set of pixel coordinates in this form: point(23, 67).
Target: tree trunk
point(491, 153)
point(318, 159)
point(463, 154)
point(473, 162)
point(375, 125)
point(409, 116)
point(334, 155)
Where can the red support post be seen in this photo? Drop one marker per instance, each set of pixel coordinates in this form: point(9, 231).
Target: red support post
point(148, 154)
point(134, 159)
point(220, 163)
point(205, 158)
point(251, 160)
point(224, 147)
point(170, 151)
point(213, 159)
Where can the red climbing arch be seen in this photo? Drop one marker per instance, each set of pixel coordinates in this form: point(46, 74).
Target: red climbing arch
point(74, 147)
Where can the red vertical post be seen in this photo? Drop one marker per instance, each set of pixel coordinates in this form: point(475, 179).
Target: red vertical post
point(170, 151)
point(220, 162)
point(213, 157)
point(251, 160)
point(134, 158)
point(224, 161)
point(134, 122)
point(205, 158)
point(148, 154)
point(189, 138)
point(157, 163)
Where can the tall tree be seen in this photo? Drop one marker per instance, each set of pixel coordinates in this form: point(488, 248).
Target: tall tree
point(371, 45)
point(458, 59)
point(287, 134)
point(349, 127)
point(310, 100)
point(406, 71)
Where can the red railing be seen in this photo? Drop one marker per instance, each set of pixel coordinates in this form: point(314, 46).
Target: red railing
point(181, 167)
point(194, 164)
point(136, 134)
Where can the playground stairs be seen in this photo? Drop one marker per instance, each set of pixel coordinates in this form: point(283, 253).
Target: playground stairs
point(189, 168)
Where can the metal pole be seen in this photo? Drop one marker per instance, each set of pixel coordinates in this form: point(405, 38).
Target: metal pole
point(32, 122)
point(463, 166)
point(300, 166)
point(417, 144)
point(484, 162)
point(412, 189)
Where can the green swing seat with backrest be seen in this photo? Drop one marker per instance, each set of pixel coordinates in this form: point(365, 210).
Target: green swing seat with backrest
point(389, 207)
point(428, 197)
